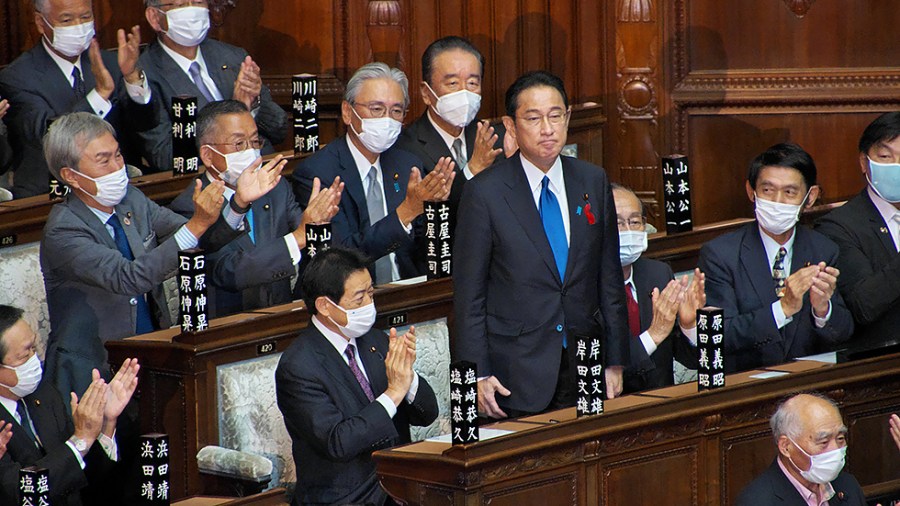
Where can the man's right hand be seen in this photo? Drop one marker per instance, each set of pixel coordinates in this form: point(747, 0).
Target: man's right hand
point(104, 83)
point(434, 186)
point(795, 286)
point(87, 414)
point(207, 206)
point(488, 388)
point(321, 207)
point(665, 309)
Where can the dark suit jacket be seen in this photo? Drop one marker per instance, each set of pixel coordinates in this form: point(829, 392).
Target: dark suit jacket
point(423, 140)
point(351, 225)
point(773, 488)
point(739, 280)
point(39, 92)
point(244, 275)
point(54, 426)
point(91, 287)
point(654, 371)
point(333, 426)
point(510, 304)
point(167, 79)
point(870, 269)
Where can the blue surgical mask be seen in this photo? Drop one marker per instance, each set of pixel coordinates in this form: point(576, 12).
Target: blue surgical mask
point(884, 178)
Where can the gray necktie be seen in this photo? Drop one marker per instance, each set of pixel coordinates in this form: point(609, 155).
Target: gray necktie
point(198, 80)
point(459, 154)
point(375, 203)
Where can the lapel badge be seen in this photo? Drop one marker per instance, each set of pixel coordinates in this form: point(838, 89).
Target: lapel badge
point(396, 183)
point(578, 211)
point(127, 219)
point(266, 207)
point(37, 402)
point(883, 230)
point(585, 197)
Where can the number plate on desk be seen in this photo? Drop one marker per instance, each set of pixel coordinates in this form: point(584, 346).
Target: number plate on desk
point(8, 240)
point(397, 319)
point(265, 348)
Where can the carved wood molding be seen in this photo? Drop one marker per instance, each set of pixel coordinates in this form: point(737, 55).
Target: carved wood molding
point(570, 479)
point(636, 11)
point(799, 7)
point(529, 463)
point(656, 434)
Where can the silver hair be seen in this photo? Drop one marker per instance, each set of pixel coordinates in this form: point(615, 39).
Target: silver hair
point(787, 420)
point(67, 137)
point(376, 70)
point(40, 5)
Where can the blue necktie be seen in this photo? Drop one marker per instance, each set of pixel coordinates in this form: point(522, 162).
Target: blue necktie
point(25, 420)
point(250, 221)
point(194, 70)
point(144, 322)
point(553, 227)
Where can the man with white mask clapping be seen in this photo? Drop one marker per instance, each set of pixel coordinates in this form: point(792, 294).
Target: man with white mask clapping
point(775, 279)
point(655, 303)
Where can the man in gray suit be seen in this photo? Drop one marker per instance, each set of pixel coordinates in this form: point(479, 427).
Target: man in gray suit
point(66, 72)
point(182, 61)
point(254, 270)
point(107, 248)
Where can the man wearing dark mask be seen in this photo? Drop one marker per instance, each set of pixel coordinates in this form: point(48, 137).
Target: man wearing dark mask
point(385, 191)
point(811, 440)
point(775, 279)
point(656, 301)
point(66, 72)
point(346, 389)
point(254, 270)
point(183, 61)
point(867, 231)
point(452, 73)
point(79, 451)
point(107, 248)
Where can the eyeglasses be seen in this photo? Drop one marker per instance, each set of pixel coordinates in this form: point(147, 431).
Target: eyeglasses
point(242, 145)
point(379, 110)
point(633, 223)
point(177, 5)
point(555, 118)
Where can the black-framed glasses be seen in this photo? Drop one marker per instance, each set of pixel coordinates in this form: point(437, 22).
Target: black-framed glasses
point(379, 110)
point(242, 145)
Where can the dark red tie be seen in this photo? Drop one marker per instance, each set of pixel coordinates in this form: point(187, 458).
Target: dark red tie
point(634, 312)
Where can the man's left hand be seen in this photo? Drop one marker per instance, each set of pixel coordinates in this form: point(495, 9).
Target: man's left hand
point(823, 286)
point(614, 381)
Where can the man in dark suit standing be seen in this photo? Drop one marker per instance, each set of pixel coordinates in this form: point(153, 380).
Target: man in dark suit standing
point(537, 263)
point(867, 231)
point(183, 61)
point(346, 389)
point(452, 72)
point(254, 270)
point(385, 192)
point(79, 451)
point(107, 248)
point(811, 439)
point(776, 280)
point(656, 302)
point(66, 72)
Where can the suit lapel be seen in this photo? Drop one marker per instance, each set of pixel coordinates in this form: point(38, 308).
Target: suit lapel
point(521, 203)
point(756, 264)
point(643, 288)
point(394, 180)
point(575, 191)
point(470, 131)
point(431, 140)
point(20, 446)
point(334, 365)
point(173, 75)
point(48, 72)
point(373, 361)
point(127, 218)
point(879, 227)
point(81, 210)
point(222, 74)
point(801, 254)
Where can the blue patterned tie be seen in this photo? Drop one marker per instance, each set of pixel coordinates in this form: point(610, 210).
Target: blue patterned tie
point(144, 322)
point(553, 227)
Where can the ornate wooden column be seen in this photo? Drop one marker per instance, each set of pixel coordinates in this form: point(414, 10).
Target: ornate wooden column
point(385, 31)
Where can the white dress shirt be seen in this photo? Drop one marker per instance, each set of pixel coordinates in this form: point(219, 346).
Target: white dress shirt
point(772, 247)
point(449, 140)
point(557, 186)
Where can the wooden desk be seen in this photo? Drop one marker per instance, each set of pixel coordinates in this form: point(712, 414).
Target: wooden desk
point(178, 389)
point(274, 497)
point(670, 446)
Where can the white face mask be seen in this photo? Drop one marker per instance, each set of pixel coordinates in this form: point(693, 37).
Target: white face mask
point(359, 320)
point(235, 164)
point(885, 180)
point(631, 244)
point(824, 467)
point(71, 41)
point(378, 133)
point(187, 25)
point(28, 375)
point(458, 108)
point(775, 217)
point(111, 188)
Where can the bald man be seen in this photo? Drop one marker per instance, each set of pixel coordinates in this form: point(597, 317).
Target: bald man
point(811, 439)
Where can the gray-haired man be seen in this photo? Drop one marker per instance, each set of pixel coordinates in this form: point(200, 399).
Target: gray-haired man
point(107, 248)
point(811, 439)
point(384, 190)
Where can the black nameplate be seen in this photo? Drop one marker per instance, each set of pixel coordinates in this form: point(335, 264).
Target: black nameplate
point(265, 348)
point(8, 240)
